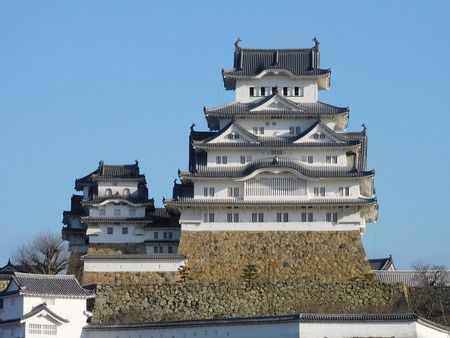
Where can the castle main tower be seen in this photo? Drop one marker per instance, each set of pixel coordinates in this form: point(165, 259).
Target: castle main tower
point(276, 161)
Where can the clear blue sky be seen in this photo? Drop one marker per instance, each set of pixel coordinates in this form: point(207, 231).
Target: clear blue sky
point(117, 81)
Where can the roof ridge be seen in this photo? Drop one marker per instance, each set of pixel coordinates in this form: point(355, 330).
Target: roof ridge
point(43, 276)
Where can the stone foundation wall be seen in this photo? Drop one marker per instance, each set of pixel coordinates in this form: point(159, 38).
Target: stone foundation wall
point(155, 302)
point(279, 256)
point(123, 279)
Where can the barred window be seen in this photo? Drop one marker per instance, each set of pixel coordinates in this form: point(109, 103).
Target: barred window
point(236, 218)
point(254, 217)
point(49, 329)
point(229, 217)
point(34, 328)
point(303, 217)
point(252, 91)
point(260, 217)
point(310, 217)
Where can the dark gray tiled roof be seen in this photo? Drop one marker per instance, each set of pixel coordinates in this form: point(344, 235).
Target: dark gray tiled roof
point(133, 199)
point(50, 285)
point(110, 172)
point(162, 219)
point(302, 109)
point(307, 202)
point(303, 169)
point(134, 256)
point(411, 278)
point(302, 317)
point(381, 263)
point(264, 142)
point(251, 62)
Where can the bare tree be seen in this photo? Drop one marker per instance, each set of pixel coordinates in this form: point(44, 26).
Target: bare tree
point(44, 254)
point(431, 296)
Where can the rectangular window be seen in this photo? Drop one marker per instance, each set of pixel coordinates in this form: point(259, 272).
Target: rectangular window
point(291, 130)
point(310, 159)
point(276, 152)
point(49, 329)
point(279, 216)
point(285, 217)
point(322, 136)
point(236, 136)
point(34, 328)
point(341, 191)
point(124, 231)
point(156, 235)
point(242, 159)
point(347, 191)
point(170, 235)
point(230, 136)
point(328, 219)
point(316, 191)
point(161, 249)
point(165, 235)
point(218, 160)
point(236, 192)
point(263, 91)
point(211, 217)
point(328, 159)
point(267, 123)
point(109, 230)
point(261, 130)
point(334, 159)
point(155, 249)
point(102, 212)
point(274, 90)
point(116, 212)
point(230, 192)
point(260, 217)
point(310, 217)
point(224, 160)
point(170, 249)
point(285, 91)
point(211, 191)
point(132, 212)
point(252, 91)
point(296, 91)
point(255, 130)
point(298, 130)
point(254, 217)
point(303, 217)
point(229, 217)
point(205, 191)
point(344, 191)
point(335, 217)
point(236, 217)
point(322, 191)
point(205, 217)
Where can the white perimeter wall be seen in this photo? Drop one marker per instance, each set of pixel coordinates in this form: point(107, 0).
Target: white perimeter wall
point(132, 265)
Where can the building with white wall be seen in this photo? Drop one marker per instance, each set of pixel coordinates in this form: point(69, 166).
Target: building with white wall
point(291, 326)
point(114, 212)
point(277, 158)
point(43, 305)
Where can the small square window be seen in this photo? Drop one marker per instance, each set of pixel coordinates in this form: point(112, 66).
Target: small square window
point(279, 216)
point(229, 217)
point(274, 90)
point(242, 159)
point(236, 217)
point(261, 130)
point(224, 160)
point(285, 91)
point(211, 192)
point(298, 130)
point(161, 249)
point(165, 235)
point(109, 230)
point(236, 192)
point(296, 91)
point(263, 91)
point(170, 249)
point(230, 192)
point(303, 217)
point(155, 249)
point(218, 160)
point(291, 130)
point(254, 217)
point(310, 159)
point(310, 217)
point(285, 217)
point(156, 235)
point(255, 130)
point(124, 231)
point(170, 235)
point(261, 217)
point(252, 91)
point(236, 136)
point(205, 191)
point(211, 217)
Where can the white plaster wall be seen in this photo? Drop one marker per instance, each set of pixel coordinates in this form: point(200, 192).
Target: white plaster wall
point(427, 331)
point(310, 87)
point(319, 156)
point(150, 234)
point(150, 248)
point(117, 187)
point(363, 329)
point(99, 234)
point(134, 265)
point(281, 127)
point(221, 186)
point(110, 207)
point(348, 219)
point(284, 330)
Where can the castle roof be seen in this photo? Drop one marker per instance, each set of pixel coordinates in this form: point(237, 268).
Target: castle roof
point(412, 277)
point(47, 285)
point(254, 141)
point(271, 163)
point(110, 172)
point(250, 63)
point(283, 107)
point(188, 201)
point(381, 263)
point(41, 308)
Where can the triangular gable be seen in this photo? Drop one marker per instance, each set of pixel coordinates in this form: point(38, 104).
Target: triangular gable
point(320, 132)
point(239, 133)
point(43, 312)
point(277, 102)
point(12, 286)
